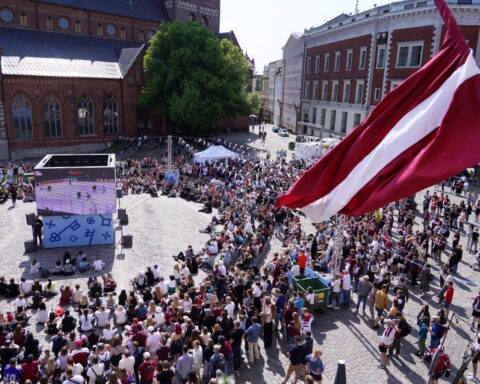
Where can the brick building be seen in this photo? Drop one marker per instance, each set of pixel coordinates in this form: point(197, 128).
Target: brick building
point(71, 71)
point(352, 62)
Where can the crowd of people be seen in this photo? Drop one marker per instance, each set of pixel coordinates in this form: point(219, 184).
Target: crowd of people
point(177, 327)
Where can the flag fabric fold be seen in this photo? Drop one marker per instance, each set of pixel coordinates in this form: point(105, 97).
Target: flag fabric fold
point(422, 132)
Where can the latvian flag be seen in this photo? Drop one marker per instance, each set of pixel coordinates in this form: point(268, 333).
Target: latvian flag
point(424, 131)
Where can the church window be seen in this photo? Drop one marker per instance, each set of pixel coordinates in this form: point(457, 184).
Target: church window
point(52, 117)
point(85, 116)
point(7, 15)
point(22, 117)
point(110, 115)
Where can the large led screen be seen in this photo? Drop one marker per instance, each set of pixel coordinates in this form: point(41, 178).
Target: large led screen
point(75, 191)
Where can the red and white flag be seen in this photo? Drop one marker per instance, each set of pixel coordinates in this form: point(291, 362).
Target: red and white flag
point(424, 131)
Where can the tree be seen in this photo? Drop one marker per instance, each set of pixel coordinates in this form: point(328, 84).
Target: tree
point(194, 79)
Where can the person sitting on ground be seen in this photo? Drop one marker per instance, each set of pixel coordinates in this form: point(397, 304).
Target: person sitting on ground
point(98, 264)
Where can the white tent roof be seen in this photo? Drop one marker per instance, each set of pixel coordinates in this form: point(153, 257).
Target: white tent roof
point(214, 152)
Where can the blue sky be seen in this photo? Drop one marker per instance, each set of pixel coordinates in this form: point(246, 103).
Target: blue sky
point(262, 27)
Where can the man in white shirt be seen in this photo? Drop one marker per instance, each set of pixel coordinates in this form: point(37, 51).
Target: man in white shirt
point(103, 317)
point(335, 294)
point(229, 307)
point(156, 272)
point(346, 286)
point(127, 361)
point(25, 286)
point(72, 377)
point(77, 294)
point(98, 264)
point(96, 370)
point(20, 302)
point(153, 340)
point(163, 286)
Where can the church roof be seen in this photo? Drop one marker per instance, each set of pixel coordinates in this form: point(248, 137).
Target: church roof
point(151, 10)
point(47, 54)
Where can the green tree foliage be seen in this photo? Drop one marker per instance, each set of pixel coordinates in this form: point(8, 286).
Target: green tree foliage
point(194, 79)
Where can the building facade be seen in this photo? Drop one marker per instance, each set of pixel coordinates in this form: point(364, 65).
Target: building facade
point(293, 53)
point(352, 62)
point(273, 75)
point(71, 71)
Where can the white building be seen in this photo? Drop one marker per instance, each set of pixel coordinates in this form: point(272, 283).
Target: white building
point(293, 55)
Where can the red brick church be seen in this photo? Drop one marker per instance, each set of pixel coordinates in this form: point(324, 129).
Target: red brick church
point(71, 71)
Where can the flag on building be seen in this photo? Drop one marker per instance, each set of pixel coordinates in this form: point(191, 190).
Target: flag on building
point(424, 131)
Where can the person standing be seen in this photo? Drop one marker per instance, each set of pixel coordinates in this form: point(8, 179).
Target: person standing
point(364, 288)
point(386, 342)
point(13, 194)
point(422, 336)
point(297, 354)
point(381, 303)
point(476, 313)
point(37, 231)
point(315, 366)
point(475, 357)
point(146, 370)
point(473, 245)
point(236, 341)
point(183, 366)
point(448, 297)
point(252, 335)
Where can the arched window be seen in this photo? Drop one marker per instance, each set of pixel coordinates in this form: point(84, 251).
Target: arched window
point(49, 23)
point(52, 117)
point(85, 116)
point(22, 117)
point(192, 17)
point(110, 115)
point(204, 20)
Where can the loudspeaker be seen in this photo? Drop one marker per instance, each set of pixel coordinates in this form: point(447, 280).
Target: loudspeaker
point(122, 216)
point(127, 241)
point(30, 218)
point(29, 246)
point(119, 193)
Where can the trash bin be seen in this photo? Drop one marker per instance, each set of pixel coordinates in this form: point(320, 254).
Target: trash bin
point(291, 145)
point(320, 291)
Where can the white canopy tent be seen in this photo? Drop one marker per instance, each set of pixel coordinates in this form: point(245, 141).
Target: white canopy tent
point(213, 153)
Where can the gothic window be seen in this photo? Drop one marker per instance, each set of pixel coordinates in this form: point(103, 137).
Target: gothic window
point(23, 20)
point(85, 116)
point(99, 30)
point(49, 23)
point(78, 26)
point(52, 117)
point(22, 117)
point(204, 20)
point(110, 115)
point(141, 35)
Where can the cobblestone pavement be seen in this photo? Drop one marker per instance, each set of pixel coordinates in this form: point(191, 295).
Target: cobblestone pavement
point(162, 227)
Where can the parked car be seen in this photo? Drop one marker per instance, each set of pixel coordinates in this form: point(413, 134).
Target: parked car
point(283, 132)
point(275, 129)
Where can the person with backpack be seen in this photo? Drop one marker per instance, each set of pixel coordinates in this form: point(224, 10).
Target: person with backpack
point(403, 329)
point(146, 370)
point(217, 362)
point(96, 372)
